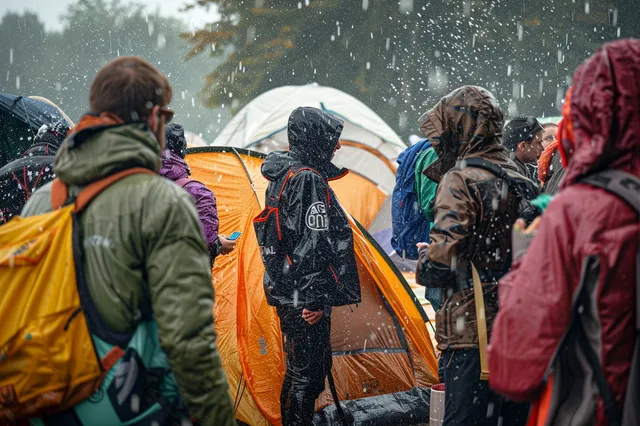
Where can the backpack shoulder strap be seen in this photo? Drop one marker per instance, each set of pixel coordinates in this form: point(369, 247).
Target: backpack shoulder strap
point(481, 321)
point(624, 185)
point(60, 193)
point(278, 189)
point(481, 163)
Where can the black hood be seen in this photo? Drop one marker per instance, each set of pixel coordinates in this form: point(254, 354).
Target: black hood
point(313, 137)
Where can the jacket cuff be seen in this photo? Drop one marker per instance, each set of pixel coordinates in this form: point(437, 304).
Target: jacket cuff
point(314, 307)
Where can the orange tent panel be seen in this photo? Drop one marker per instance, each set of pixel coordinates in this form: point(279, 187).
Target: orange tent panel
point(380, 346)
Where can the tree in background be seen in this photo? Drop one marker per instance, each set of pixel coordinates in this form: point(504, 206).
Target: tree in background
point(61, 65)
point(400, 57)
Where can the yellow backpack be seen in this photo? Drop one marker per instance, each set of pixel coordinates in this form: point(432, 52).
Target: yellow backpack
point(48, 362)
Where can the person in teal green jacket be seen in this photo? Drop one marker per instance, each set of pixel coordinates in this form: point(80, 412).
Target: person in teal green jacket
point(426, 190)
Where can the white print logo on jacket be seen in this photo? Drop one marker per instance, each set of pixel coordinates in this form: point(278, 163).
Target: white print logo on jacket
point(99, 241)
point(316, 218)
point(266, 251)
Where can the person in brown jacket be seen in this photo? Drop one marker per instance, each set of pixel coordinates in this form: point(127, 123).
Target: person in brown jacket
point(480, 194)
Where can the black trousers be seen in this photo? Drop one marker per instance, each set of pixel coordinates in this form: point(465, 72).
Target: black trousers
point(469, 400)
point(308, 361)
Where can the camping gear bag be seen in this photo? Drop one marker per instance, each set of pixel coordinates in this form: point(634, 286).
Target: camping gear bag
point(49, 361)
point(409, 224)
point(626, 187)
point(269, 235)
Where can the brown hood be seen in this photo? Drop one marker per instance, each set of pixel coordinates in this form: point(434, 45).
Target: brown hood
point(604, 111)
point(465, 123)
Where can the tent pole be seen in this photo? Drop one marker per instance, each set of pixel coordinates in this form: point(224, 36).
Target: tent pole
point(246, 171)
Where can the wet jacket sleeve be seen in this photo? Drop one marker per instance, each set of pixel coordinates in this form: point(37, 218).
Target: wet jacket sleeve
point(307, 225)
point(425, 187)
point(208, 213)
point(535, 310)
point(455, 213)
point(179, 277)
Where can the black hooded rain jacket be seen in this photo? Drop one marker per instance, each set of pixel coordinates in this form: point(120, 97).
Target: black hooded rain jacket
point(315, 265)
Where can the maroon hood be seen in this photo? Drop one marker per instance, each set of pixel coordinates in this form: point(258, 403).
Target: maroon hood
point(605, 112)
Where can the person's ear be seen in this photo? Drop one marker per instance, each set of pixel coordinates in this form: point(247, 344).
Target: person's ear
point(522, 146)
point(154, 118)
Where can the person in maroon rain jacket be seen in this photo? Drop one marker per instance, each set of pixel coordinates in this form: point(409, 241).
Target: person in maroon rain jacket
point(175, 168)
point(601, 131)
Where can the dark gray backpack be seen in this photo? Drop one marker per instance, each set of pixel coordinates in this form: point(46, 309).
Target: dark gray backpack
point(627, 187)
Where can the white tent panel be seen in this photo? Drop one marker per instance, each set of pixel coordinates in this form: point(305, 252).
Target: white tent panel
point(262, 125)
point(268, 114)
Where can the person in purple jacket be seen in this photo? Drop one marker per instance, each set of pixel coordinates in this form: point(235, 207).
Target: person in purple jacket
point(175, 168)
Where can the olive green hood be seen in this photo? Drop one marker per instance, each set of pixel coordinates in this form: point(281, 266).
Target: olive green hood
point(94, 153)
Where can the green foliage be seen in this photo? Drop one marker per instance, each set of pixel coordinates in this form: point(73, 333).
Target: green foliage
point(61, 65)
point(400, 57)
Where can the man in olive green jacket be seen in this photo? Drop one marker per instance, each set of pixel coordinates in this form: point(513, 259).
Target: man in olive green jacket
point(144, 250)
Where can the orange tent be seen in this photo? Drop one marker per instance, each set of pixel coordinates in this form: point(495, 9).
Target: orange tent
point(383, 358)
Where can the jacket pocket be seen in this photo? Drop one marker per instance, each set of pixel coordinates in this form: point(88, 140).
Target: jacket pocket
point(456, 322)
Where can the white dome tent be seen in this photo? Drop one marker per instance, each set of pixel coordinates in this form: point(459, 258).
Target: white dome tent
point(369, 146)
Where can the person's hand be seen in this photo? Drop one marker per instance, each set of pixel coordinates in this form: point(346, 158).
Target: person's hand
point(422, 246)
point(522, 236)
point(521, 226)
point(226, 245)
point(312, 317)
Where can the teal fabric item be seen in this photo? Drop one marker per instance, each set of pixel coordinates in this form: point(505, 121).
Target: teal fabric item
point(426, 190)
point(542, 201)
point(425, 187)
point(99, 409)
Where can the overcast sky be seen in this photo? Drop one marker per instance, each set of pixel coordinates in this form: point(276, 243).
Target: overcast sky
point(50, 10)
